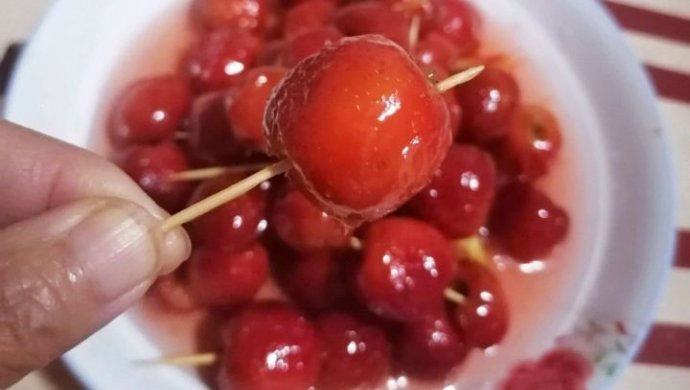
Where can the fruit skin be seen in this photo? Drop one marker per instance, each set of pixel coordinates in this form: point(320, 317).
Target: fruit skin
point(459, 198)
point(150, 166)
point(308, 15)
point(270, 346)
point(460, 22)
point(359, 169)
point(373, 17)
point(149, 111)
point(430, 348)
point(248, 15)
point(224, 277)
point(526, 223)
point(355, 354)
point(211, 141)
point(484, 317)
point(303, 226)
point(245, 107)
point(236, 224)
point(489, 102)
point(407, 265)
point(220, 59)
point(308, 43)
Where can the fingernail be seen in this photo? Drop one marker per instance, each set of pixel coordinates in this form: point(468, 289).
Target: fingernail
point(121, 246)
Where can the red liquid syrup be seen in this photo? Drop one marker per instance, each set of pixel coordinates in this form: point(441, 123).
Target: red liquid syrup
point(540, 295)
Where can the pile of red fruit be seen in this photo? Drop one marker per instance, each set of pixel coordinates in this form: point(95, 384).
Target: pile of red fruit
point(365, 131)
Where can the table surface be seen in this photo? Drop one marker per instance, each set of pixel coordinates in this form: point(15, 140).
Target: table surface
point(659, 31)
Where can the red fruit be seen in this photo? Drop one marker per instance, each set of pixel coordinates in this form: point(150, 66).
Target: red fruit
point(407, 266)
point(304, 226)
point(436, 49)
point(526, 223)
point(484, 316)
point(362, 126)
point(150, 166)
point(174, 291)
point(531, 144)
point(424, 9)
point(489, 102)
point(220, 59)
point(245, 108)
point(248, 15)
point(373, 17)
point(271, 53)
point(430, 348)
point(461, 193)
point(222, 276)
point(149, 111)
point(270, 347)
point(234, 225)
point(460, 22)
point(435, 74)
point(354, 354)
point(210, 137)
point(308, 43)
point(315, 280)
point(308, 15)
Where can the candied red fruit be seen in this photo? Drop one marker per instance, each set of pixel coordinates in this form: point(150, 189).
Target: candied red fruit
point(220, 58)
point(527, 223)
point(249, 15)
point(484, 316)
point(430, 348)
point(373, 17)
point(531, 144)
point(436, 50)
point(271, 53)
point(270, 346)
point(460, 22)
point(245, 108)
point(210, 136)
point(406, 268)
point(221, 276)
point(308, 43)
point(304, 226)
point(151, 165)
point(149, 111)
point(308, 15)
point(355, 354)
point(489, 102)
point(460, 195)
point(234, 225)
point(364, 168)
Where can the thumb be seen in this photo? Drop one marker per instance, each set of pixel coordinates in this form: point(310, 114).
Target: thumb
point(71, 270)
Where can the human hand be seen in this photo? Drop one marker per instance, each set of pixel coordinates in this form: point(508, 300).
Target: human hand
point(79, 244)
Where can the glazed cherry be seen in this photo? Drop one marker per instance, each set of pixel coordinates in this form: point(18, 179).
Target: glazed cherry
point(459, 21)
point(220, 58)
point(362, 126)
point(531, 144)
point(249, 15)
point(308, 43)
point(304, 227)
point(430, 348)
point(221, 276)
point(424, 9)
point(270, 346)
point(355, 354)
point(245, 108)
point(436, 49)
point(489, 102)
point(373, 17)
point(149, 111)
point(484, 317)
point(308, 15)
point(175, 292)
point(234, 225)
point(461, 193)
point(406, 267)
point(315, 280)
point(150, 166)
point(271, 53)
point(527, 223)
point(210, 137)
point(436, 73)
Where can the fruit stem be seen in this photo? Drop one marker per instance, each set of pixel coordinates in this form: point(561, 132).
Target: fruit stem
point(454, 296)
point(459, 78)
point(211, 172)
point(234, 191)
point(197, 360)
point(413, 36)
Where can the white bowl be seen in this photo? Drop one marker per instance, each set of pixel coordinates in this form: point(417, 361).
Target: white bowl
point(617, 179)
